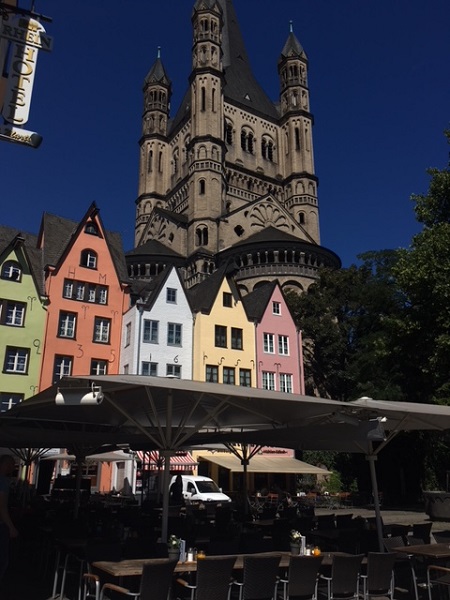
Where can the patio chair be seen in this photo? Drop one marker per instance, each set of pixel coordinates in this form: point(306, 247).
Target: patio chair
point(378, 582)
point(98, 551)
point(423, 531)
point(302, 577)
point(213, 581)
point(156, 582)
point(405, 565)
point(259, 577)
point(437, 575)
point(343, 583)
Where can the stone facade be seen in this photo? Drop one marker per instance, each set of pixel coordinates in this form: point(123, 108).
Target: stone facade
point(230, 179)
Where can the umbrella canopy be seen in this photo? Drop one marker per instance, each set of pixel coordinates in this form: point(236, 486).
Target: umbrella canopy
point(117, 456)
point(263, 463)
point(151, 413)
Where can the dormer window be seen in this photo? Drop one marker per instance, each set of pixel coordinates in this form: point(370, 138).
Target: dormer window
point(12, 270)
point(89, 259)
point(91, 228)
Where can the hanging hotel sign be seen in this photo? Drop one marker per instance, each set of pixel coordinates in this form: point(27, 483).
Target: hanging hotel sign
point(27, 36)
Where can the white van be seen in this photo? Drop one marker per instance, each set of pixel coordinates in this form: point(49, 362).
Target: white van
point(197, 488)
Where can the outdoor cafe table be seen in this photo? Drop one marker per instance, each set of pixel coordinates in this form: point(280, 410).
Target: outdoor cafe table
point(432, 551)
point(133, 567)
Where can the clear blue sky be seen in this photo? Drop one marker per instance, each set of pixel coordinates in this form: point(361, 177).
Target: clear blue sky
point(380, 93)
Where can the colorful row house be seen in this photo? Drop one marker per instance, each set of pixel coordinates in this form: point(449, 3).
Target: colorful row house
point(211, 333)
point(62, 297)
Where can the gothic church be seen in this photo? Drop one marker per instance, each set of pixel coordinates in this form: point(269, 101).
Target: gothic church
point(229, 179)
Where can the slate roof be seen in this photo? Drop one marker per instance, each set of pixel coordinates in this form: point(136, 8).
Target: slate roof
point(147, 290)
point(58, 233)
point(292, 47)
point(157, 74)
point(240, 84)
point(154, 248)
point(203, 295)
point(255, 303)
point(34, 255)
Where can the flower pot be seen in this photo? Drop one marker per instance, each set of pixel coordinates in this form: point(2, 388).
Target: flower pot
point(295, 548)
point(174, 553)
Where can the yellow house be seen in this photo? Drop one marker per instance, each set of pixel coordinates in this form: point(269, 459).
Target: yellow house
point(224, 338)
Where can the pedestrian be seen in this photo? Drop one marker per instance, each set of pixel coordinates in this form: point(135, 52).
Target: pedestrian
point(176, 491)
point(7, 529)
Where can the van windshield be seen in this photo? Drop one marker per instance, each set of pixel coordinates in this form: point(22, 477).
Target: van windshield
point(205, 487)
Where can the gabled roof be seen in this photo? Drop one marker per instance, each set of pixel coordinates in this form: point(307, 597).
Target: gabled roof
point(203, 295)
point(9, 237)
point(57, 234)
point(255, 303)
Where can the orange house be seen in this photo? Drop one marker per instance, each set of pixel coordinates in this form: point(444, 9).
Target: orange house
point(87, 287)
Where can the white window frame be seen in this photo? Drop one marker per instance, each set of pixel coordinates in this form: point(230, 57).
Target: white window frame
point(63, 366)
point(102, 330)
point(286, 383)
point(269, 343)
point(12, 271)
point(67, 325)
point(16, 360)
point(15, 313)
point(99, 366)
point(276, 308)
point(283, 345)
point(268, 380)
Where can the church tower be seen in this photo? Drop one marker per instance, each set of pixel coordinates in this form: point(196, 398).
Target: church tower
point(230, 178)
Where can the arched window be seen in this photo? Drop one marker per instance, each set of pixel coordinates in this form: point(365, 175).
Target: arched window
point(150, 162)
point(267, 148)
point(201, 236)
point(301, 218)
point(297, 138)
point(247, 140)
point(203, 99)
point(88, 259)
point(228, 133)
point(175, 161)
point(202, 187)
point(12, 270)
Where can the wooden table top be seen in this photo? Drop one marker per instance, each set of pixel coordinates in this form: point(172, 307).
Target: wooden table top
point(435, 551)
point(133, 567)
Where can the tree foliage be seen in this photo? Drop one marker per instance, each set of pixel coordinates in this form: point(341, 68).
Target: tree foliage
point(382, 329)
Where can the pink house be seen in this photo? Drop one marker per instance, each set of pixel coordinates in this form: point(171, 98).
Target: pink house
point(279, 357)
point(86, 284)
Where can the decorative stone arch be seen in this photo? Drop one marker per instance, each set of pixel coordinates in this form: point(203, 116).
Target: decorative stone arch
point(295, 286)
point(202, 152)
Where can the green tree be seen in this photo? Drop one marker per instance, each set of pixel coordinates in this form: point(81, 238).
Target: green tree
point(423, 273)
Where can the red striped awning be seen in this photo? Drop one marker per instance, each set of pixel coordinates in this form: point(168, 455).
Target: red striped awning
point(181, 461)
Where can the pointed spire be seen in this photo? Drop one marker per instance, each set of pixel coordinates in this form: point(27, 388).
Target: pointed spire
point(292, 47)
point(157, 73)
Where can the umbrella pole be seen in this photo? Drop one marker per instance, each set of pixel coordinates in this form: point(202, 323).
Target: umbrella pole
point(166, 480)
point(79, 477)
point(376, 500)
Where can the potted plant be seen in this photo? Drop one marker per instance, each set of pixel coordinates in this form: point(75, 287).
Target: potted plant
point(173, 546)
